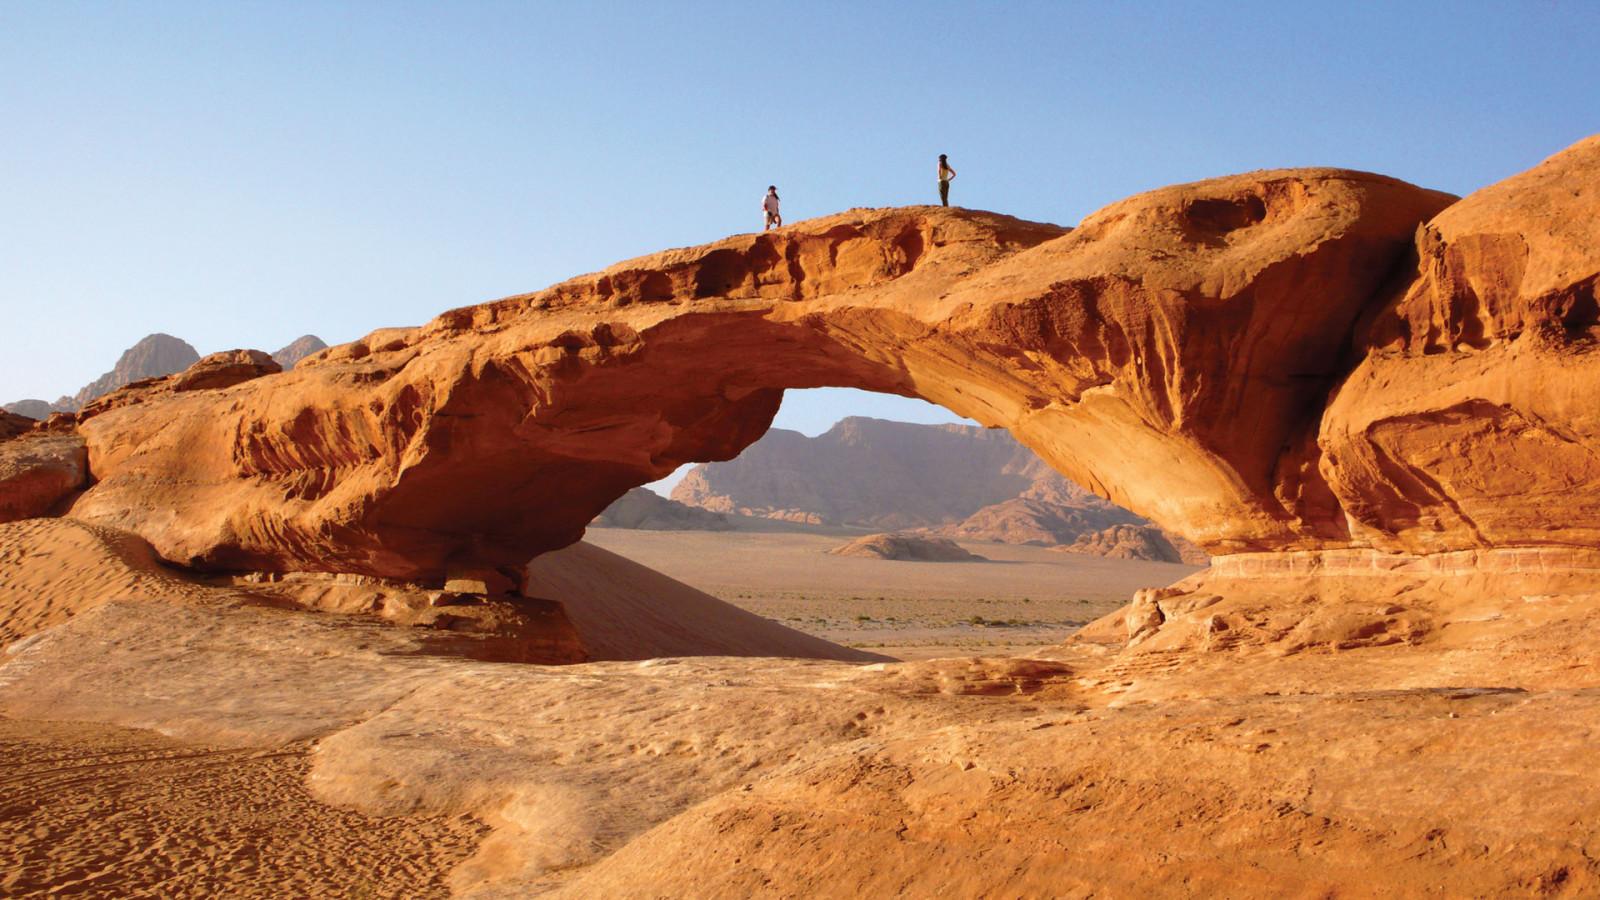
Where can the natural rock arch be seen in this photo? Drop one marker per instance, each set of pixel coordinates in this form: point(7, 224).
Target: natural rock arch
point(1176, 353)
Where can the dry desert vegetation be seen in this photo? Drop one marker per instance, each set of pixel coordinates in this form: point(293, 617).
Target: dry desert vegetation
point(335, 630)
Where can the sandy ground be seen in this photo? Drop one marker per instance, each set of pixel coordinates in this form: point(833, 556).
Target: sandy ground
point(98, 810)
point(1270, 730)
point(1021, 598)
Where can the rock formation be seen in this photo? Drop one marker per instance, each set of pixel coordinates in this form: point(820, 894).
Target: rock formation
point(906, 547)
point(583, 603)
point(644, 508)
point(1171, 353)
point(12, 424)
point(1137, 542)
point(951, 480)
point(212, 372)
point(1473, 416)
point(298, 349)
point(1051, 511)
point(155, 356)
point(1381, 417)
point(38, 409)
point(867, 473)
point(38, 470)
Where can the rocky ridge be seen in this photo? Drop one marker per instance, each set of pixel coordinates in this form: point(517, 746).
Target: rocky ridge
point(947, 480)
point(153, 356)
point(644, 508)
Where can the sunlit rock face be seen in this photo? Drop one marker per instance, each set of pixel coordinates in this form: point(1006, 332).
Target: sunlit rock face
point(1210, 356)
point(1473, 418)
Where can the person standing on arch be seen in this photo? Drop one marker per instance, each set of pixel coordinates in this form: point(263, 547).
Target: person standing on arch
point(770, 205)
point(946, 175)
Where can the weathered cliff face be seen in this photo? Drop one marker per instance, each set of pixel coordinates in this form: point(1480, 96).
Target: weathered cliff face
point(1473, 418)
point(1176, 353)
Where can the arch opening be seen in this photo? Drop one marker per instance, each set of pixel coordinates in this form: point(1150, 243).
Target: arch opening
point(1178, 378)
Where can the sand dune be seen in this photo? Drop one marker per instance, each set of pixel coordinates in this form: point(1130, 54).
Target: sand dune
point(623, 610)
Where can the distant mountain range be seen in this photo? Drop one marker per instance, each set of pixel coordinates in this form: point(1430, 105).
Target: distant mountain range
point(153, 356)
point(955, 481)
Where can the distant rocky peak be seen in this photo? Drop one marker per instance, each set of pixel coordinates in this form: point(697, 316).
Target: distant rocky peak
point(153, 356)
point(298, 349)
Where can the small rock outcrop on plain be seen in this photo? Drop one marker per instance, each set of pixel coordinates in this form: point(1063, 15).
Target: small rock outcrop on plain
point(1137, 542)
point(906, 547)
point(645, 509)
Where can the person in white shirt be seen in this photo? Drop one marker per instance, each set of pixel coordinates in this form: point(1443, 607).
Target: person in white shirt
point(770, 204)
point(946, 174)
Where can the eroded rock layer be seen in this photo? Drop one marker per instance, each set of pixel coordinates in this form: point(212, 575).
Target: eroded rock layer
point(1473, 418)
point(1176, 353)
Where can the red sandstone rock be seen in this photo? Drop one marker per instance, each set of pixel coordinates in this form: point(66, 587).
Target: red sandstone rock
point(212, 372)
point(37, 471)
point(12, 425)
point(1173, 353)
point(225, 369)
point(1473, 419)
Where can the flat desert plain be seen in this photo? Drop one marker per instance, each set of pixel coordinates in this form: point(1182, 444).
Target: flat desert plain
point(1019, 598)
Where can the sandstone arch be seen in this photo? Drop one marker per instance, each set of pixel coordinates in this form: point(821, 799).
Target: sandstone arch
point(1176, 352)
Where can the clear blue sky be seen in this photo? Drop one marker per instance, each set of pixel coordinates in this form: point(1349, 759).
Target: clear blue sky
point(238, 174)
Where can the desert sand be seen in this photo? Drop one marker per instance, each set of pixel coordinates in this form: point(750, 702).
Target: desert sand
point(95, 810)
point(1373, 405)
point(1277, 731)
point(1017, 599)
